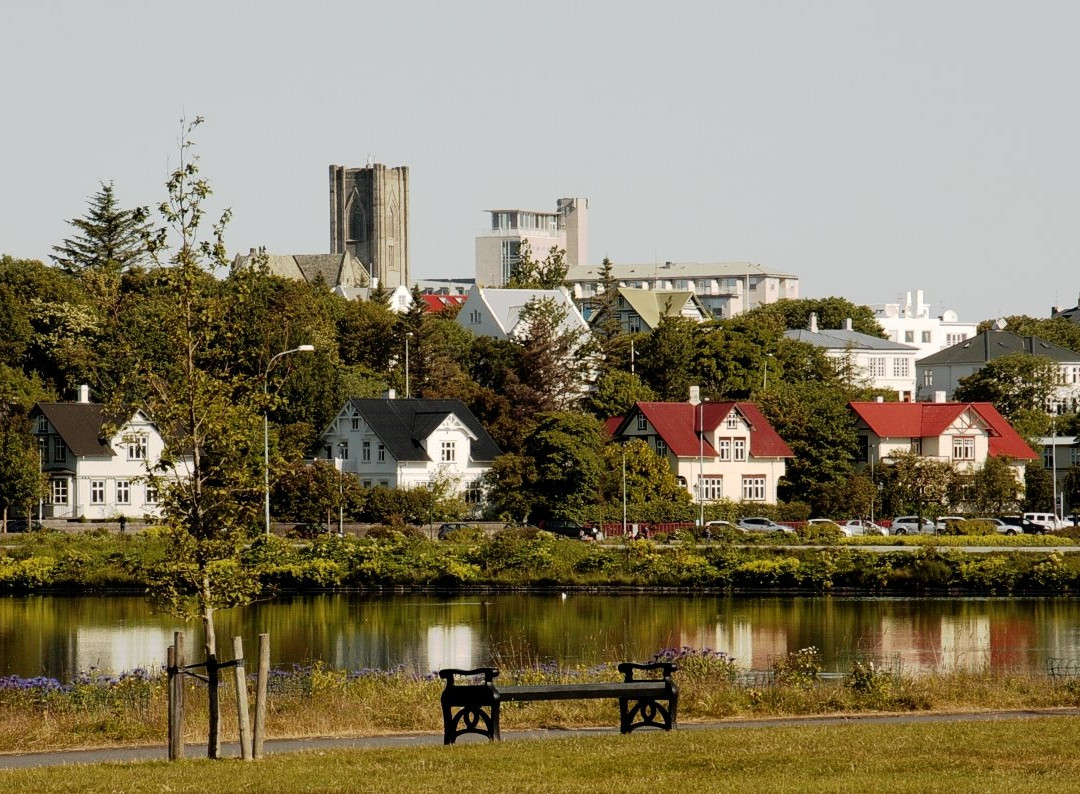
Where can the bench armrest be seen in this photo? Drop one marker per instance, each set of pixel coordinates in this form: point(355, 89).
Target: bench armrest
point(449, 673)
point(628, 669)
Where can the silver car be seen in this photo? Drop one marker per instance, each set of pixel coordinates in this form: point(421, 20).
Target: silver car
point(909, 525)
point(760, 524)
point(858, 526)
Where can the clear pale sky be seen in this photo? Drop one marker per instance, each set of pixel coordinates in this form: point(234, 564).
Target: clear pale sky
point(870, 148)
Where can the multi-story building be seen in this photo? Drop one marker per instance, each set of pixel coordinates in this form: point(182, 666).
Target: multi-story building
point(498, 249)
point(864, 359)
point(724, 288)
point(369, 218)
point(909, 322)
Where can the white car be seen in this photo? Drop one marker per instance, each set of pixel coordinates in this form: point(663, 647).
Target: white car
point(759, 524)
point(909, 525)
point(858, 526)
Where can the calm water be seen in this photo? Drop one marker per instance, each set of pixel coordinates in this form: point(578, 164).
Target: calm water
point(62, 636)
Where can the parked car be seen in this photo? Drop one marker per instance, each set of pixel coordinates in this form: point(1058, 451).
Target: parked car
point(1005, 528)
point(569, 528)
point(1048, 520)
point(944, 521)
point(1025, 525)
point(713, 528)
point(446, 529)
point(859, 526)
point(761, 524)
point(909, 525)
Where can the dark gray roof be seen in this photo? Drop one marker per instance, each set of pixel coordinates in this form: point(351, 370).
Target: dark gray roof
point(326, 266)
point(402, 424)
point(993, 344)
point(79, 424)
point(842, 339)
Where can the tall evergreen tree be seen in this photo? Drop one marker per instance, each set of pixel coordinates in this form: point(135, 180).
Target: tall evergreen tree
point(110, 239)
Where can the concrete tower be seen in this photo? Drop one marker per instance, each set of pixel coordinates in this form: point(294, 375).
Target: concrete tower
point(369, 218)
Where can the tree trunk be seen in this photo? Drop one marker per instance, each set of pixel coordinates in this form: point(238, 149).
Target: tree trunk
point(213, 743)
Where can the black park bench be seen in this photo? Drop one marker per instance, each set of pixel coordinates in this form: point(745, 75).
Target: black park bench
point(474, 707)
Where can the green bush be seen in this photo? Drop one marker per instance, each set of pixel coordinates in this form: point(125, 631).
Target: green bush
point(820, 533)
point(799, 668)
point(995, 574)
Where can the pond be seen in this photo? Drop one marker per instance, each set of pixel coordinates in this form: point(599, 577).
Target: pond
point(63, 636)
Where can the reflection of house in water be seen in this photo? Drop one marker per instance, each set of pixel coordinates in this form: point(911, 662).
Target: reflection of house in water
point(955, 643)
point(752, 647)
point(119, 650)
point(451, 646)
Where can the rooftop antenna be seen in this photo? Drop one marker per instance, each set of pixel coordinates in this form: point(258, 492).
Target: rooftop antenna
point(370, 160)
point(1000, 323)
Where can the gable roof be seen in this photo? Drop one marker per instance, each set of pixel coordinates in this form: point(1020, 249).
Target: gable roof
point(79, 425)
point(433, 304)
point(650, 304)
point(988, 345)
point(678, 423)
point(504, 306)
point(843, 339)
point(334, 270)
point(927, 420)
point(403, 424)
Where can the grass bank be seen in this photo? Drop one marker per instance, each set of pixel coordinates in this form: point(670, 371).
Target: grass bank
point(1008, 756)
point(40, 714)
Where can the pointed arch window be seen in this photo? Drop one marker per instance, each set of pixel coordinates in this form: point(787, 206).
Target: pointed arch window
point(357, 219)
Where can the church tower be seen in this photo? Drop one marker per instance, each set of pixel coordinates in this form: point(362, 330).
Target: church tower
point(369, 218)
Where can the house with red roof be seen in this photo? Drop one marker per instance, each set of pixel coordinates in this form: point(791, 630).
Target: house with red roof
point(963, 434)
point(718, 450)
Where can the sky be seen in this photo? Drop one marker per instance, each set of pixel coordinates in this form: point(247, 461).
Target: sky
point(869, 148)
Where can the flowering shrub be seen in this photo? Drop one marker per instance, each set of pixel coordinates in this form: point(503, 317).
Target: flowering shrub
point(799, 668)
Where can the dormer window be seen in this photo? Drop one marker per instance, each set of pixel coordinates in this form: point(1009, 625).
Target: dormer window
point(732, 422)
point(137, 448)
point(642, 423)
point(42, 425)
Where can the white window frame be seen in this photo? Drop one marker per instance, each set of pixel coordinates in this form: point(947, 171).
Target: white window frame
point(642, 423)
point(58, 491)
point(448, 451)
point(901, 367)
point(365, 451)
point(661, 448)
point(138, 447)
point(753, 487)
point(723, 448)
point(711, 488)
point(97, 492)
point(732, 422)
point(738, 447)
point(381, 453)
point(123, 492)
point(963, 448)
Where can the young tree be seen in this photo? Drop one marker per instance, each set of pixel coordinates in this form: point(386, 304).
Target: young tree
point(994, 488)
point(616, 392)
point(21, 482)
point(916, 483)
point(548, 273)
point(652, 492)
point(1038, 488)
point(209, 476)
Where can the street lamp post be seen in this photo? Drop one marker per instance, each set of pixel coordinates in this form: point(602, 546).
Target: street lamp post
point(701, 463)
point(623, 448)
point(342, 446)
point(765, 377)
point(408, 336)
point(266, 428)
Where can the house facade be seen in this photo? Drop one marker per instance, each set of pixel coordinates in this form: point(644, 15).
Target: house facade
point(410, 443)
point(942, 371)
point(909, 322)
point(864, 359)
point(90, 474)
point(961, 434)
point(497, 312)
point(724, 288)
point(498, 248)
point(717, 450)
point(640, 310)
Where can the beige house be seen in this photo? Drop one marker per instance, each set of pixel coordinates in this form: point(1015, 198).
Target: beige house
point(640, 310)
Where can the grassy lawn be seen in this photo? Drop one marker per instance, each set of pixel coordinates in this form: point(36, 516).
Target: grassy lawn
point(1010, 755)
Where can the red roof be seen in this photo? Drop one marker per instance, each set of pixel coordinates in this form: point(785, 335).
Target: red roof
point(678, 425)
point(434, 304)
point(927, 420)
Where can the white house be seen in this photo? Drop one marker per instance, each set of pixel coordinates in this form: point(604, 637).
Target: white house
point(871, 360)
point(497, 312)
point(409, 443)
point(91, 474)
point(718, 450)
point(909, 322)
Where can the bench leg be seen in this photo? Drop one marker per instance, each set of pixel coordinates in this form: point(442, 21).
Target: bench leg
point(637, 713)
point(462, 718)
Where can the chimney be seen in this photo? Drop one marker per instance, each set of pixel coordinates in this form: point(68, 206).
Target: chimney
point(390, 394)
point(813, 323)
point(847, 324)
point(84, 393)
point(879, 399)
point(695, 395)
point(939, 397)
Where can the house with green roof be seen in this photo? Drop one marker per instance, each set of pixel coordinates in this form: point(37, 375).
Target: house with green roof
point(640, 310)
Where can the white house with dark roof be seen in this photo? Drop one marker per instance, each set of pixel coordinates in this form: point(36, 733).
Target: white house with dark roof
point(410, 443)
point(942, 371)
point(94, 471)
point(865, 359)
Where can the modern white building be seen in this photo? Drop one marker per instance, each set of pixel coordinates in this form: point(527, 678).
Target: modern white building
point(498, 248)
point(864, 359)
point(410, 443)
point(909, 322)
point(724, 288)
point(92, 474)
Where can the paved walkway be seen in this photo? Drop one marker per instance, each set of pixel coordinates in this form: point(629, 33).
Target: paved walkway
point(231, 749)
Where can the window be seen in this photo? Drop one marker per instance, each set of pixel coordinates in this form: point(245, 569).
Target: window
point(382, 453)
point(661, 447)
point(876, 367)
point(901, 367)
point(753, 488)
point(909, 337)
point(151, 494)
point(633, 324)
point(43, 449)
point(384, 483)
point(642, 422)
point(732, 422)
point(740, 449)
point(42, 424)
point(365, 452)
point(474, 492)
point(137, 448)
point(97, 492)
point(123, 492)
point(1048, 457)
point(511, 257)
point(329, 450)
point(926, 337)
point(711, 489)
point(474, 317)
point(916, 446)
point(356, 423)
point(59, 450)
point(928, 377)
point(59, 492)
point(723, 448)
point(963, 448)
point(1074, 456)
point(448, 452)
point(343, 450)
point(366, 483)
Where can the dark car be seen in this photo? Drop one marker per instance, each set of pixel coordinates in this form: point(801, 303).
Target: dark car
point(446, 529)
point(1025, 525)
point(569, 528)
point(22, 525)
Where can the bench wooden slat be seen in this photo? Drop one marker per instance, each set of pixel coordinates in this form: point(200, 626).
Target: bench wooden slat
point(582, 691)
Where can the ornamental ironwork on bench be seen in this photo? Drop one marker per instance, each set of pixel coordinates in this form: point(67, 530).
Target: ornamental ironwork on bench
point(474, 707)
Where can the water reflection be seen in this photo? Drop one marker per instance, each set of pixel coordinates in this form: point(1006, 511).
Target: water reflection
point(61, 636)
